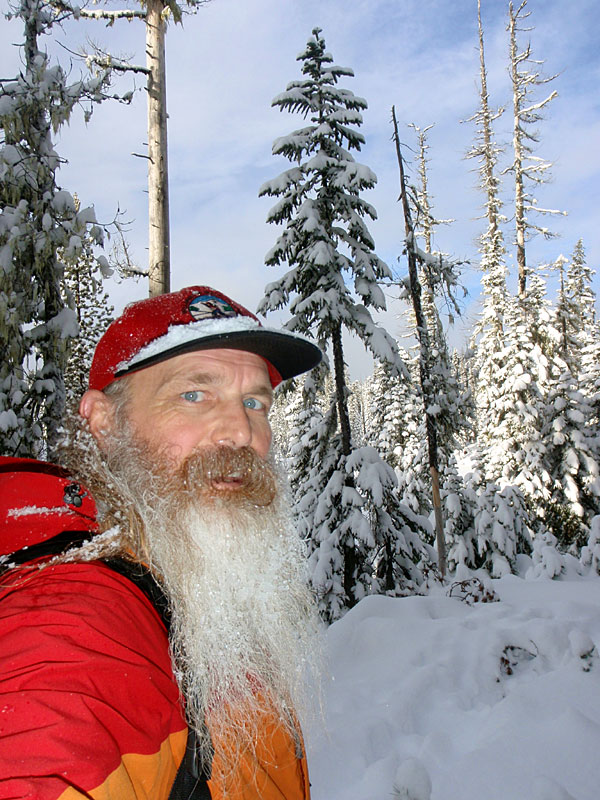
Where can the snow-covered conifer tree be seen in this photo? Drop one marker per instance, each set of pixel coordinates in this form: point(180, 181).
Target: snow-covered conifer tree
point(572, 457)
point(459, 496)
point(502, 529)
point(547, 560)
point(437, 275)
point(439, 394)
point(489, 341)
point(326, 243)
point(36, 219)
point(393, 413)
point(515, 452)
point(83, 291)
point(575, 316)
point(566, 313)
point(590, 555)
point(579, 287)
point(283, 417)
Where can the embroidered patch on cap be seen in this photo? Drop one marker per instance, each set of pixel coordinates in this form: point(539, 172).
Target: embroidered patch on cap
point(207, 306)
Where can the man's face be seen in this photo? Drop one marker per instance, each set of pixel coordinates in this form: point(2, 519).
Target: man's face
point(202, 399)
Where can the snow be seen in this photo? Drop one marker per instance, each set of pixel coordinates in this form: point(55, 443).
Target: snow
point(27, 511)
point(430, 698)
point(181, 334)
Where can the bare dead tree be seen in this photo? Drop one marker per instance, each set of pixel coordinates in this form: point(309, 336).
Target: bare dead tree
point(424, 353)
point(159, 245)
point(485, 150)
point(155, 14)
point(528, 169)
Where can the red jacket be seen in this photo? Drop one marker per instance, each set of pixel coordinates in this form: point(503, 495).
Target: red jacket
point(89, 706)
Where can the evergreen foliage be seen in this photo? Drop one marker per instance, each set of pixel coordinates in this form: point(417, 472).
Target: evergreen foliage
point(547, 561)
point(459, 496)
point(502, 529)
point(573, 461)
point(83, 290)
point(325, 243)
point(37, 219)
point(392, 413)
point(325, 235)
point(590, 555)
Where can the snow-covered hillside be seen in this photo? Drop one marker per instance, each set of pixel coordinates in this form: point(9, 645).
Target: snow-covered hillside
point(430, 698)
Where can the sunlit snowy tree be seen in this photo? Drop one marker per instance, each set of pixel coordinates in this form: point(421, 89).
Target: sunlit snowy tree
point(502, 529)
point(575, 315)
point(394, 411)
point(459, 496)
point(489, 340)
point(37, 219)
point(84, 292)
point(572, 458)
point(331, 283)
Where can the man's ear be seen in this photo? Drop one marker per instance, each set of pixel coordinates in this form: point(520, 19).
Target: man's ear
point(97, 408)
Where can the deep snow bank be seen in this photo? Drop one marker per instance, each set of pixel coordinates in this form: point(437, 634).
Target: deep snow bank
point(432, 699)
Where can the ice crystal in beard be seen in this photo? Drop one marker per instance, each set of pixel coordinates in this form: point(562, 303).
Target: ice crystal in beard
point(236, 476)
point(243, 622)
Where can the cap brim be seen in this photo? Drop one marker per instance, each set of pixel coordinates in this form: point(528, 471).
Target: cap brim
point(289, 354)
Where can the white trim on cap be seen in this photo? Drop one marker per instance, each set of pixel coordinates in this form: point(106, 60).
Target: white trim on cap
point(193, 331)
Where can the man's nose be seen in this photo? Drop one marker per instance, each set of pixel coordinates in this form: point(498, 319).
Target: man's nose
point(232, 427)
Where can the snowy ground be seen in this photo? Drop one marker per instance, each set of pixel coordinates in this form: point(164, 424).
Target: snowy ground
point(433, 699)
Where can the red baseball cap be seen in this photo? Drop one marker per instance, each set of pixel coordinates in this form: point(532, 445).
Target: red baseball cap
point(195, 318)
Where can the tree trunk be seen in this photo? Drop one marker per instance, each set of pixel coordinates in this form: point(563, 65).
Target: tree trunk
point(350, 559)
point(489, 180)
point(518, 150)
point(159, 263)
point(424, 356)
point(340, 389)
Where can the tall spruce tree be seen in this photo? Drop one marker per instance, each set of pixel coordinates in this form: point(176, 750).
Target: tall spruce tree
point(37, 219)
point(326, 244)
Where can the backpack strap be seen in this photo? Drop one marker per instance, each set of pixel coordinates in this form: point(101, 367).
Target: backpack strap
point(191, 780)
point(61, 543)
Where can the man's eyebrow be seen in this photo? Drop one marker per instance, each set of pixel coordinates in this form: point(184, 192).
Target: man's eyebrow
point(209, 378)
point(195, 378)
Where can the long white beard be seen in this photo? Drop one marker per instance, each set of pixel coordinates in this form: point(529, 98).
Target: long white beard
point(243, 626)
point(244, 630)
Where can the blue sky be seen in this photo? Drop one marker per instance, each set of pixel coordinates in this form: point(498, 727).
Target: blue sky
point(229, 60)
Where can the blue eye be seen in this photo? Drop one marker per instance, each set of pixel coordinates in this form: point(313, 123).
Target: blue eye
point(193, 396)
point(253, 403)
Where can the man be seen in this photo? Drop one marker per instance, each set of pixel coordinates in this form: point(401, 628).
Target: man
point(179, 622)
